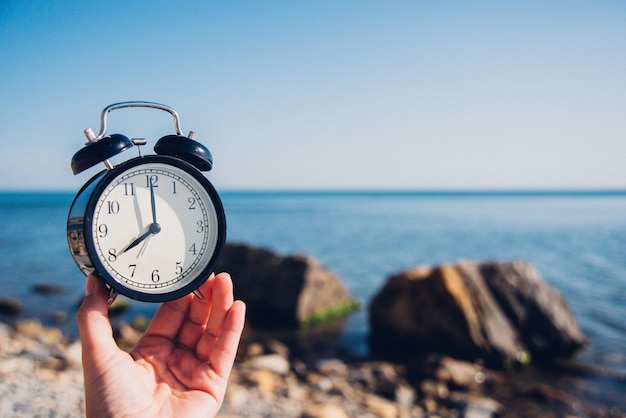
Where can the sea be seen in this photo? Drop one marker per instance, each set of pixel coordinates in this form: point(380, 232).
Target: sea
point(575, 239)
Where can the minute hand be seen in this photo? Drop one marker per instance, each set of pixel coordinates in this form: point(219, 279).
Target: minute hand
point(152, 202)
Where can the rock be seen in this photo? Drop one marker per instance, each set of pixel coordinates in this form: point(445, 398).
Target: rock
point(127, 336)
point(47, 288)
point(277, 347)
point(119, 306)
point(254, 349)
point(274, 363)
point(264, 379)
point(10, 306)
point(498, 312)
point(477, 406)
point(381, 407)
point(332, 367)
point(461, 374)
point(538, 312)
point(6, 332)
point(236, 395)
point(284, 292)
point(324, 411)
point(59, 317)
point(140, 323)
point(404, 396)
point(72, 354)
point(32, 328)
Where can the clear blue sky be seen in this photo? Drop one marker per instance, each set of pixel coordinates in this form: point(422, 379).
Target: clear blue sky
point(325, 94)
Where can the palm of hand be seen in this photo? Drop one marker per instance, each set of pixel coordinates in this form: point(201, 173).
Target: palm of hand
point(180, 366)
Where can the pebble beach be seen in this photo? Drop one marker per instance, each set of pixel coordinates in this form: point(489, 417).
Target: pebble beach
point(41, 376)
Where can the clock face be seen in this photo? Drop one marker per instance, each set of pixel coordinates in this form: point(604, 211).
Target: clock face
point(156, 228)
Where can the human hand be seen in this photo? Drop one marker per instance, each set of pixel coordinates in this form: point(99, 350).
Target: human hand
point(180, 366)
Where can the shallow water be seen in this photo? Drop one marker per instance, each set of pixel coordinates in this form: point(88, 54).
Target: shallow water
point(577, 241)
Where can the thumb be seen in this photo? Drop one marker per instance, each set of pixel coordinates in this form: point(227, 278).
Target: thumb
point(92, 317)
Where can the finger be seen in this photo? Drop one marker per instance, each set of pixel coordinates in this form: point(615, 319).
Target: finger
point(92, 317)
point(199, 310)
point(221, 303)
point(223, 354)
point(168, 319)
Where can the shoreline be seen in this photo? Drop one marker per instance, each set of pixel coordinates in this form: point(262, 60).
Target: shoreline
point(41, 375)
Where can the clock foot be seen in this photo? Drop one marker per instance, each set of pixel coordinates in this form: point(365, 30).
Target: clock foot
point(112, 296)
point(198, 294)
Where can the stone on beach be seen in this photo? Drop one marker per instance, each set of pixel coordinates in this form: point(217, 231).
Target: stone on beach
point(40, 370)
point(498, 312)
point(284, 292)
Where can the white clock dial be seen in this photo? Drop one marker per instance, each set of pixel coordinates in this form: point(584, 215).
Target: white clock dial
point(155, 228)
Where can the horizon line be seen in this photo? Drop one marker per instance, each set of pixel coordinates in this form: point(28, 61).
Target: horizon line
point(377, 190)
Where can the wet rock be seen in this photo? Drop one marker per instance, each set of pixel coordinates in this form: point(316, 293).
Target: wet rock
point(498, 312)
point(284, 292)
point(59, 317)
point(540, 315)
point(10, 306)
point(47, 288)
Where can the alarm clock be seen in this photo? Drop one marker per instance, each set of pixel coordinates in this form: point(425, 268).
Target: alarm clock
point(152, 227)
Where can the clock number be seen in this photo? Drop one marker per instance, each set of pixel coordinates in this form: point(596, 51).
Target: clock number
point(112, 255)
point(192, 249)
point(129, 189)
point(113, 207)
point(179, 267)
point(192, 203)
point(152, 180)
point(155, 276)
point(103, 230)
point(200, 228)
point(132, 268)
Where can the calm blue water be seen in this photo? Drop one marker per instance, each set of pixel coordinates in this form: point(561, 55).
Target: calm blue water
point(577, 242)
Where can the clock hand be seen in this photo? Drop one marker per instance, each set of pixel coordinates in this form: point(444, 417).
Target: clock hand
point(152, 202)
point(137, 241)
point(154, 228)
point(143, 247)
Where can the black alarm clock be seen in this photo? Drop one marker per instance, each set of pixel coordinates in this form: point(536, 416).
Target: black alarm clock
point(152, 227)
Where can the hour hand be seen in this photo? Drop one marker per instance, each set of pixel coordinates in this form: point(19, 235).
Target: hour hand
point(136, 241)
point(154, 228)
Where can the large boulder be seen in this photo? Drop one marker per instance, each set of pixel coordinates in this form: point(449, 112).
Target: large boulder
point(496, 311)
point(284, 292)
